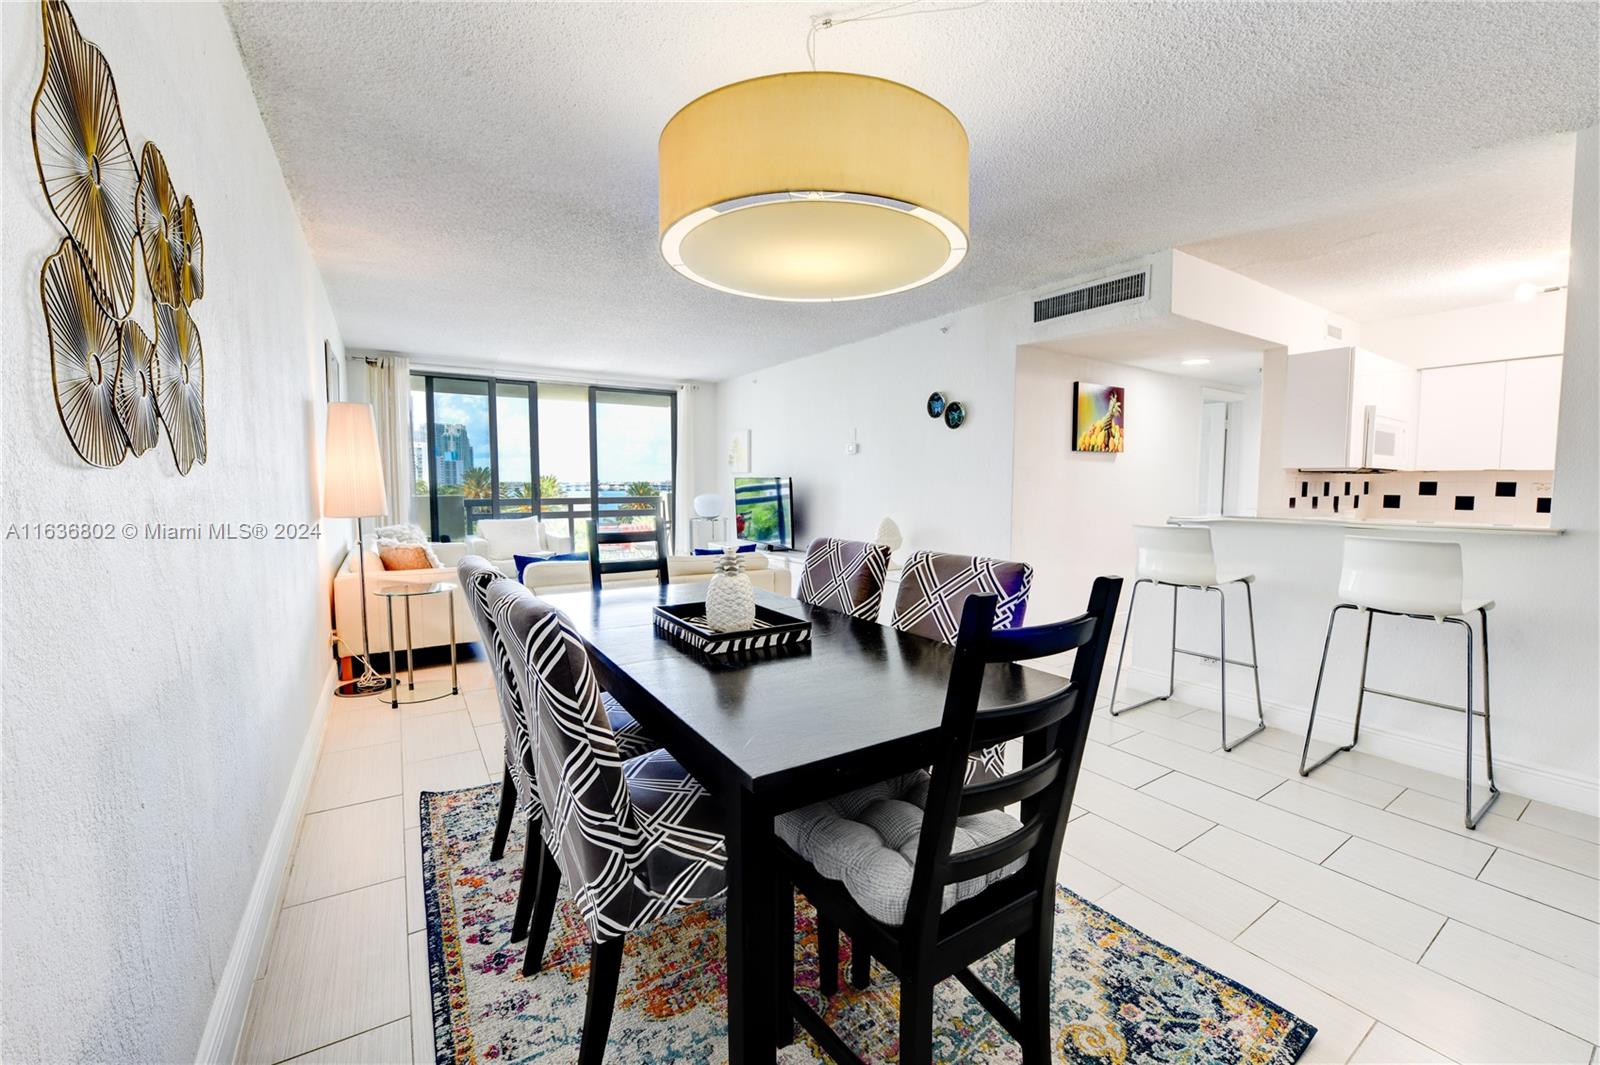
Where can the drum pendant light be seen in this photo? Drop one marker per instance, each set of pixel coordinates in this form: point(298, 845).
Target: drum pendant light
point(813, 186)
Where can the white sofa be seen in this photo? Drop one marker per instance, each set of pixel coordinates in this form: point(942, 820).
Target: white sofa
point(500, 540)
point(430, 623)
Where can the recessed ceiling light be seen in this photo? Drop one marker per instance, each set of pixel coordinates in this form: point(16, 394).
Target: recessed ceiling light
point(813, 186)
point(1197, 362)
point(1525, 292)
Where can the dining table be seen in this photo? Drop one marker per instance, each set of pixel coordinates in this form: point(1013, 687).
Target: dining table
point(770, 731)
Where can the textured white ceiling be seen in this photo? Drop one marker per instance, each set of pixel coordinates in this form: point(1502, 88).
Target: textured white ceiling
point(478, 180)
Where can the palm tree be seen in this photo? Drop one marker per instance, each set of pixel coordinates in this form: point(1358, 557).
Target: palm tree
point(549, 487)
point(640, 488)
point(476, 484)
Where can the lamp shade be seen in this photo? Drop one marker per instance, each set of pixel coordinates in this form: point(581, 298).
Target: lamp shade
point(708, 505)
point(352, 484)
point(813, 186)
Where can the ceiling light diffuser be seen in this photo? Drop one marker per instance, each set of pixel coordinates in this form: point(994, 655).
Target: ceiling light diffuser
point(813, 186)
point(1197, 362)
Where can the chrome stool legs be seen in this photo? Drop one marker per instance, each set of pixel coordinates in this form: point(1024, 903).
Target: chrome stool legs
point(1221, 658)
point(1471, 817)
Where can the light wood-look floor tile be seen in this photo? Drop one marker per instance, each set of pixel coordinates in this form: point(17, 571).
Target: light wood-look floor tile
point(1557, 848)
point(1107, 729)
point(1120, 766)
point(484, 706)
point(1223, 770)
point(1533, 983)
point(450, 773)
point(1543, 882)
point(1458, 1021)
point(1339, 1027)
point(437, 735)
point(1557, 819)
point(388, 1044)
point(361, 774)
point(422, 1044)
point(416, 913)
point(338, 969)
point(450, 704)
point(1380, 918)
point(1147, 815)
point(492, 744)
point(1086, 881)
point(1331, 777)
point(345, 848)
point(1286, 831)
point(1552, 932)
point(1385, 1046)
point(360, 723)
point(1181, 884)
point(1447, 849)
point(1157, 720)
point(1371, 765)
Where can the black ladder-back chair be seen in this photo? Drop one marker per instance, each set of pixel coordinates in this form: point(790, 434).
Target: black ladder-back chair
point(933, 943)
point(657, 535)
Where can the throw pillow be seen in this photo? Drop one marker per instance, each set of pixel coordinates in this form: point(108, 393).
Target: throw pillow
point(404, 534)
point(397, 556)
point(509, 537)
point(524, 561)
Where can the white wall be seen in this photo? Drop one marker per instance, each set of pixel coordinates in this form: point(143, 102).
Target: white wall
point(947, 489)
point(1072, 513)
point(156, 694)
point(1494, 331)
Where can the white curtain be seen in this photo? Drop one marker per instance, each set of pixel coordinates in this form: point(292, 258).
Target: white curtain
point(389, 392)
point(689, 402)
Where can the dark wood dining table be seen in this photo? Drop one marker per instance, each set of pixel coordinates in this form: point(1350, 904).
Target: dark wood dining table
point(766, 734)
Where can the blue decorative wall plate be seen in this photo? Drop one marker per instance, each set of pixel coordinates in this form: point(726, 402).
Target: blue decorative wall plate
point(955, 415)
point(936, 404)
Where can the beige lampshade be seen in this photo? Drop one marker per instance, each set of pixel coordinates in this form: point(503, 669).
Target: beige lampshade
point(813, 186)
point(352, 484)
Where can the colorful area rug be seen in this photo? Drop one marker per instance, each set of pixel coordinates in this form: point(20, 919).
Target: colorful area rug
point(1119, 996)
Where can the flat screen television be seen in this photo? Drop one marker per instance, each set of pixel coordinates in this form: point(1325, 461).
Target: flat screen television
point(763, 511)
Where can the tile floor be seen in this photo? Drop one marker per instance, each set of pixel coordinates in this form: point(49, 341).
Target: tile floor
point(1353, 897)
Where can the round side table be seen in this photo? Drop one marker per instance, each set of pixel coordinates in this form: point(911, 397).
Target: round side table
point(411, 691)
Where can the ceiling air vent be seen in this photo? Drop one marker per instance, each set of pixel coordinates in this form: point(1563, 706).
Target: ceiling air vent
point(1087, 298)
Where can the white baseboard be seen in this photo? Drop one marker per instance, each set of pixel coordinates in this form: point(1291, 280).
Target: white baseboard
point(225, 1024)
point(1521, 778)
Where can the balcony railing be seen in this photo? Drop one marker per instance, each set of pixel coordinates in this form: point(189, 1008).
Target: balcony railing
point(566, 515)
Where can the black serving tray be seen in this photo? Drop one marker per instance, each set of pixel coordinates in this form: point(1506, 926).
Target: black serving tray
point(685, 623)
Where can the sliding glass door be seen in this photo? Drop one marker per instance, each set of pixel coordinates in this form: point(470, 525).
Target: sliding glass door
point(484, 447)
point(633, 455)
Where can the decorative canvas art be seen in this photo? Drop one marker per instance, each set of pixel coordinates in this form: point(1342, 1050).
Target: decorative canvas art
point(739, 451)
point(1097, 413)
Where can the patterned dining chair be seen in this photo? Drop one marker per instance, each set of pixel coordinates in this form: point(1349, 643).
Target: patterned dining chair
point(933, 589)
point(636, 839)
point(844, 575)
point(519, 797)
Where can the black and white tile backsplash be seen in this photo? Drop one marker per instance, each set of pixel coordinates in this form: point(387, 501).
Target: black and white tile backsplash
point(1489, 497)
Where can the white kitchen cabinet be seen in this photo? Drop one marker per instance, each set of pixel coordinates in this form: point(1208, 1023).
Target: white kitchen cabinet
point(1528, 428)
point(1329, 399)
point(1459, 415)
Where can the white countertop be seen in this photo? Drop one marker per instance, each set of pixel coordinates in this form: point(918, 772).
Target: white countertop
point(1387, 525)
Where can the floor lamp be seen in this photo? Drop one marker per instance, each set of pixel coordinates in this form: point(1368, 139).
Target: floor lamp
point(353, 488)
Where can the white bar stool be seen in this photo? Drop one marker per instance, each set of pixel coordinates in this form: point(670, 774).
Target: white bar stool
point(1418, 579)
point(1181, 557)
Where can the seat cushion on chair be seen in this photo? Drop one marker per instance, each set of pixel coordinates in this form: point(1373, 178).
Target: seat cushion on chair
point(868, 841)
point(685, 854)
point(631, 738)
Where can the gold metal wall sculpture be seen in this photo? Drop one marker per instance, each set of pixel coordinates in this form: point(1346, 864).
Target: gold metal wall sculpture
point(114, 386)
point(181, 384)
point(192, 283)
point(159, 233)
point(136, 390)
point(84, 160)
point(85, 358)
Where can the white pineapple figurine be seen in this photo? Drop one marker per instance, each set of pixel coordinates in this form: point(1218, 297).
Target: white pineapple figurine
point(730, 597)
